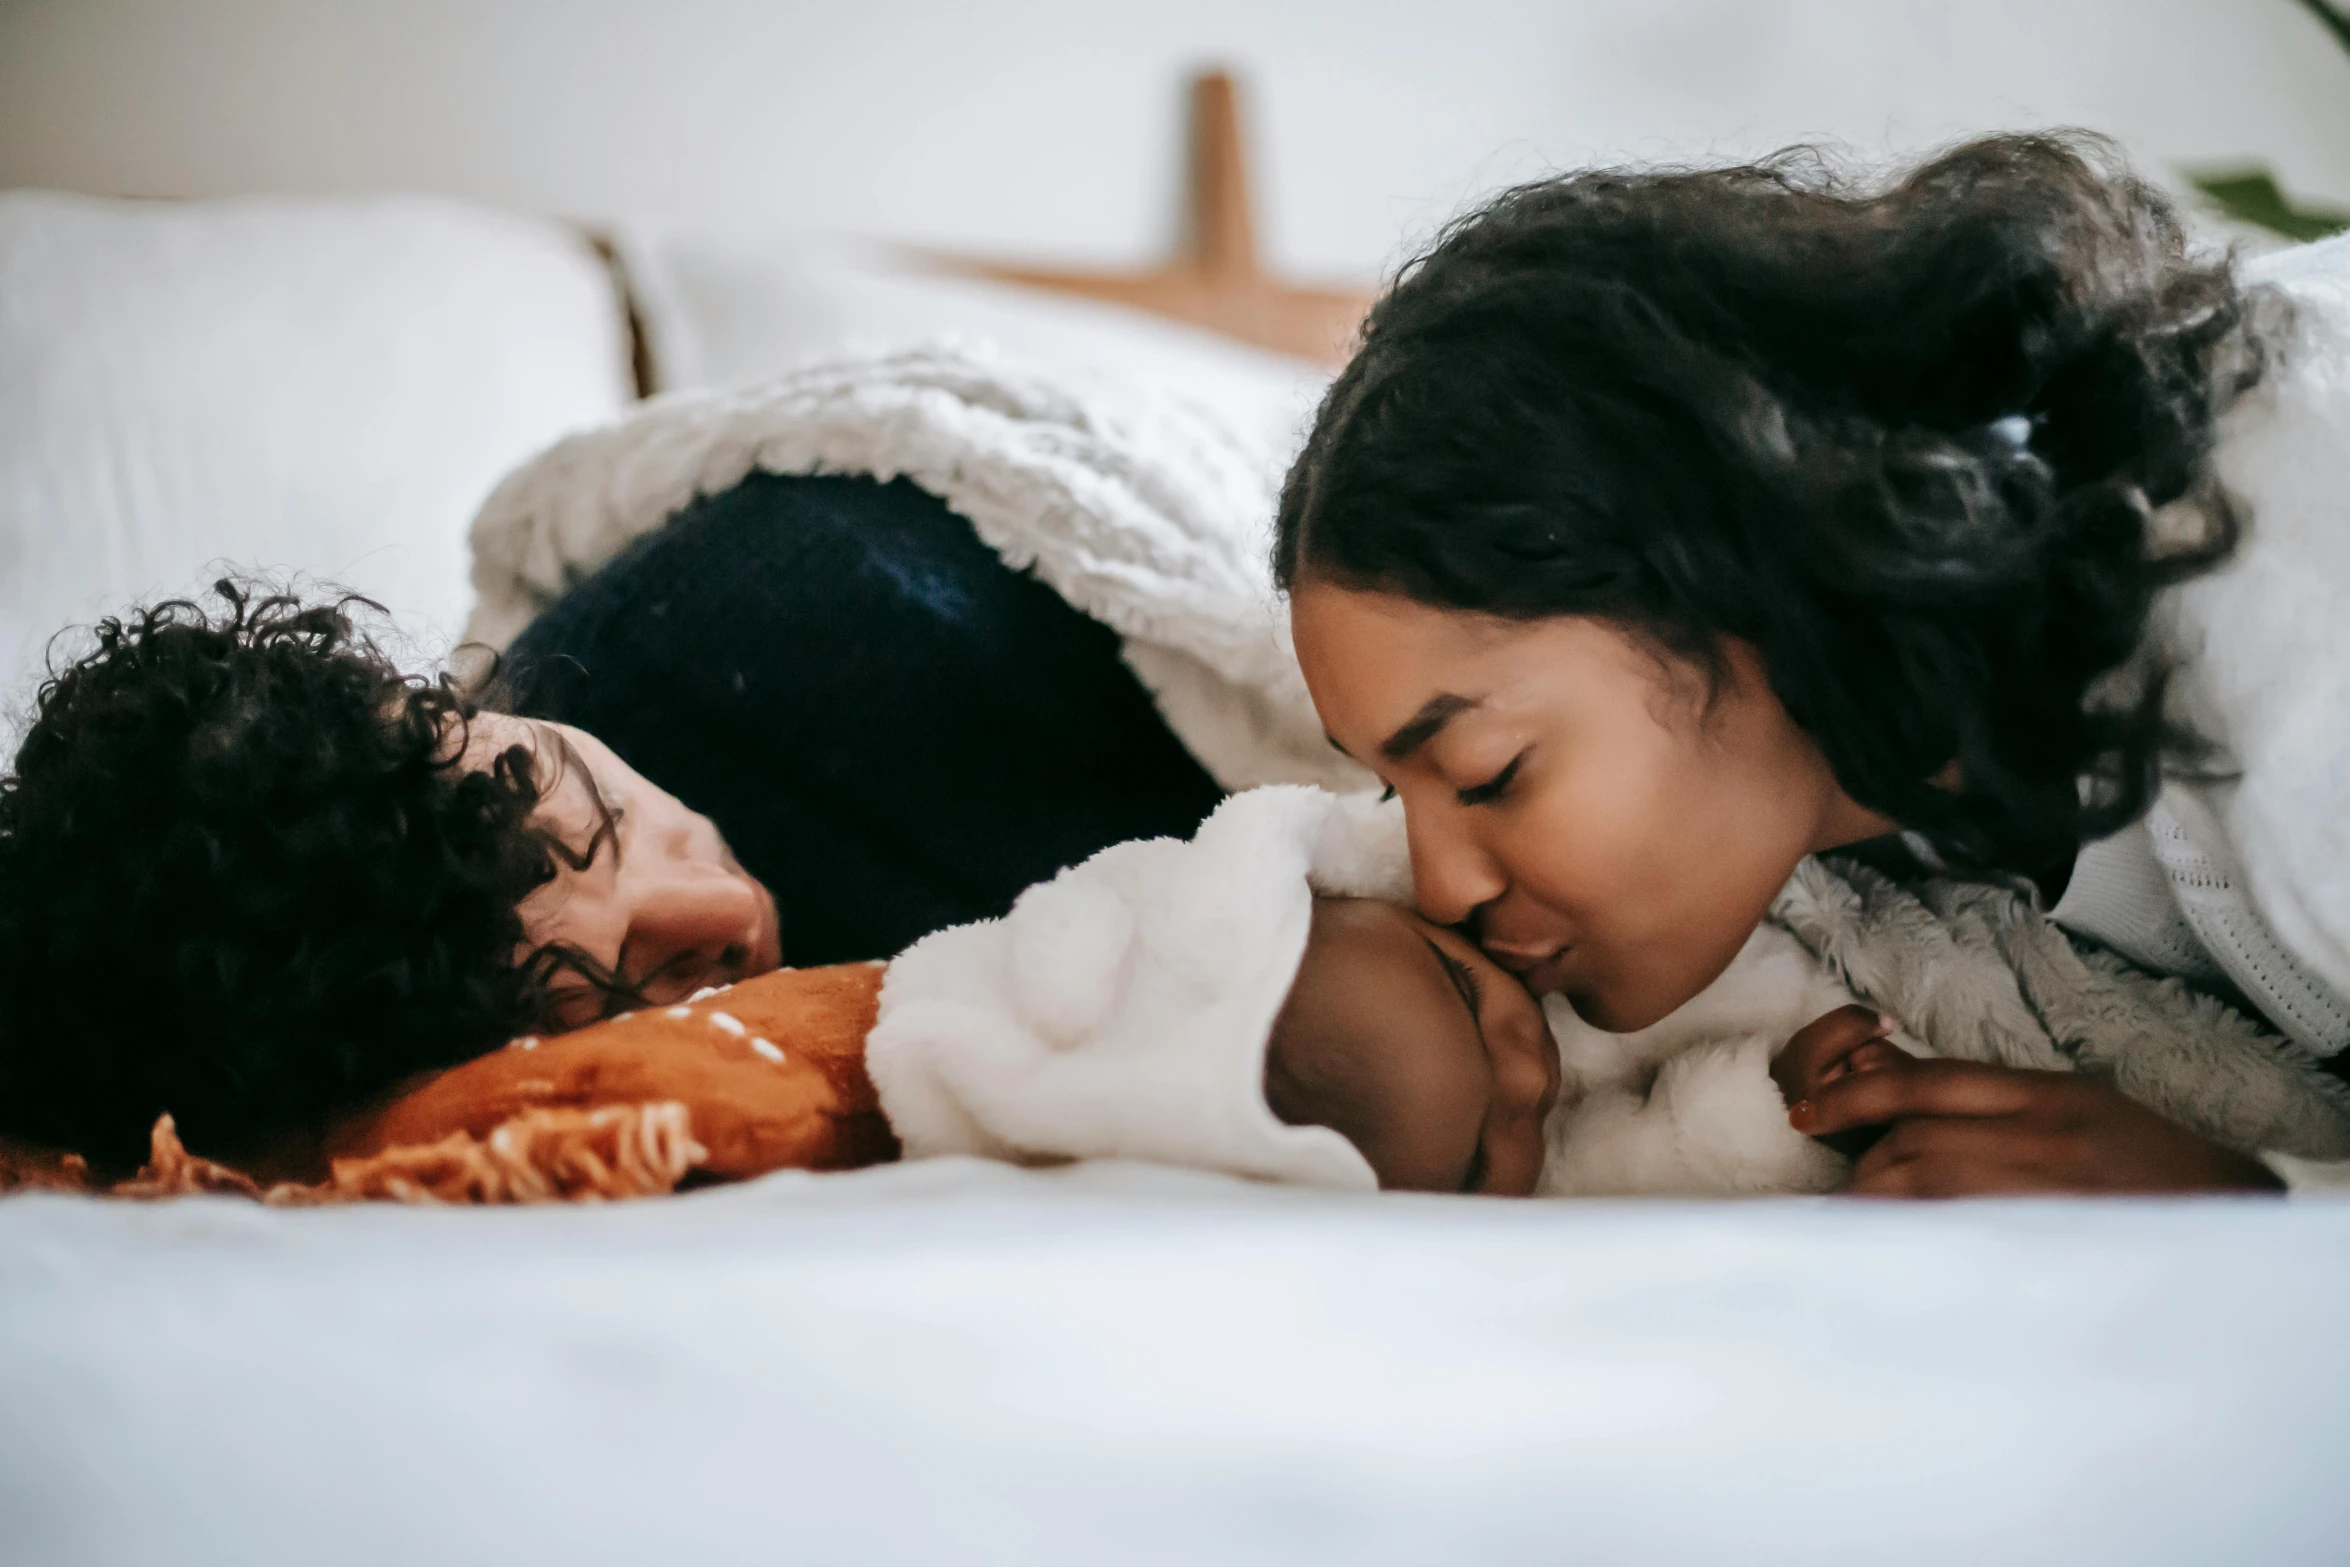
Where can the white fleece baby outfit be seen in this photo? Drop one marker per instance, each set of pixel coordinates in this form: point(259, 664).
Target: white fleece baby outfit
point(1121, 1010)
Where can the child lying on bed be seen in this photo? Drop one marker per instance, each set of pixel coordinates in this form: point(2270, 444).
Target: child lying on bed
point(1258, 1001)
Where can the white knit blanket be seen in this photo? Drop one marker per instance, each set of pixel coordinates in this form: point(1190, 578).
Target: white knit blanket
point(1150, 514)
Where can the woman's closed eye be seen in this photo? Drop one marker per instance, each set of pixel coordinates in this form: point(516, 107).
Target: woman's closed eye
point(1485, 793)
point(1492, 788)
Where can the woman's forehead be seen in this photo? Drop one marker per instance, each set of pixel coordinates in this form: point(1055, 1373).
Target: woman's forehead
point(1387, 673)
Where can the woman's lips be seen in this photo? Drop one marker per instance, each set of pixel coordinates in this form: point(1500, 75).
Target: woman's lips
point(1540, 972)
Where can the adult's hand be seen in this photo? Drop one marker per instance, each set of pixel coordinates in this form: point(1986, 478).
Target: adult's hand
point(1959, 1128)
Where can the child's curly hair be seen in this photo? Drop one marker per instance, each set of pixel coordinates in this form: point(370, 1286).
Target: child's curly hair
point(247, 877)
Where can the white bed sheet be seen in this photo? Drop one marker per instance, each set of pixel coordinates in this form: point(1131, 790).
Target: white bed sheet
point(966, 1362)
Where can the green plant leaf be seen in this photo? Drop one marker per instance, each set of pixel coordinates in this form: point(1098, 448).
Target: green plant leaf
point(2252, 196)
point(2335, 22)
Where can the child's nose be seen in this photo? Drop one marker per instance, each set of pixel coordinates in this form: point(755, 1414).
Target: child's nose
point(691, 926)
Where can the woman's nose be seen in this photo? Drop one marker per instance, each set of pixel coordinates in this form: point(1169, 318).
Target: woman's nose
point(1452, 877)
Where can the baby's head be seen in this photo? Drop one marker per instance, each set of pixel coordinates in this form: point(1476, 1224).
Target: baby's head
point(1418, 1049)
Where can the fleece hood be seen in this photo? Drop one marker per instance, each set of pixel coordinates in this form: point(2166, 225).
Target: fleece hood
point(1122, 1009)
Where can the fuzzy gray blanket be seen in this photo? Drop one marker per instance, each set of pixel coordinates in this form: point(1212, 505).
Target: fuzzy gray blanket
point(1979, 973)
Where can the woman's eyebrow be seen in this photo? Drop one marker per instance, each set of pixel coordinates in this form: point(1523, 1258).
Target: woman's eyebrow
point(1424, 725)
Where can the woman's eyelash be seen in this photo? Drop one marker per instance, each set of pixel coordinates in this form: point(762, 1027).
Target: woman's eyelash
point(1481, 794)
point(1493, 788)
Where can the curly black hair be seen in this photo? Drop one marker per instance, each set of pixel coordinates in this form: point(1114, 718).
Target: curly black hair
point(1906, 438)
point(246, 877)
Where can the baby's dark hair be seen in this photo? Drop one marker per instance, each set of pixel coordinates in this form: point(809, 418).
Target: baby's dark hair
point(247, 878)
point(1905, 439)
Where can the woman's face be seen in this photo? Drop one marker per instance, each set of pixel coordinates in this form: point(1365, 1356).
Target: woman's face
point(662, 904)
point(1582, 805)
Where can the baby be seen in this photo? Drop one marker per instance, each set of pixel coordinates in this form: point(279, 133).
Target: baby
point(1259, 1001)
point(1446, 1075)
point(1426, 1055)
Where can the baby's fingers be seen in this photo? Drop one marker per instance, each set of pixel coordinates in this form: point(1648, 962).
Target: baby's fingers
point(1943, 1088)
point(1800, 1068)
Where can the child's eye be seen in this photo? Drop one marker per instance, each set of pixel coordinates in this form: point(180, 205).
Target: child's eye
point(1493, 788)
point(1462, 980)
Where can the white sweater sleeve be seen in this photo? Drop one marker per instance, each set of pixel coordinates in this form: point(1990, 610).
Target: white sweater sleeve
point(2261, 650)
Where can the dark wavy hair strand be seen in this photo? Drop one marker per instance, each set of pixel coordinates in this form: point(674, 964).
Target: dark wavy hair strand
point(1906, 439)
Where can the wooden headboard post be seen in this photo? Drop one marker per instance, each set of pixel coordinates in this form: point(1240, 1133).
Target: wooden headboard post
point(1219, 235)
point(1215, 279)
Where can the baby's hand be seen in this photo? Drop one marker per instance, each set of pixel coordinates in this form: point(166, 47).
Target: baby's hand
point(1846, 1041)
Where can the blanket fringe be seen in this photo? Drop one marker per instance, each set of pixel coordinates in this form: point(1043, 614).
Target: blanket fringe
point(559, 1155)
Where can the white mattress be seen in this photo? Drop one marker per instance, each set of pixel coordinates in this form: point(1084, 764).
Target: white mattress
point(965, 1362)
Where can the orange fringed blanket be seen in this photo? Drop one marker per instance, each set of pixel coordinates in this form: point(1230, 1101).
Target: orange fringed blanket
point(765, 1075)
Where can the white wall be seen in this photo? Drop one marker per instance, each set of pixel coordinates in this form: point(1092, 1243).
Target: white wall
point(1048, 127)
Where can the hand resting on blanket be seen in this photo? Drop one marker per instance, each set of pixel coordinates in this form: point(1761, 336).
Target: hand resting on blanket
point(1962, 1128)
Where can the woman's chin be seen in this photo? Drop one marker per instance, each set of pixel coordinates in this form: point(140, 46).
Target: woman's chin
point(1617, 1009)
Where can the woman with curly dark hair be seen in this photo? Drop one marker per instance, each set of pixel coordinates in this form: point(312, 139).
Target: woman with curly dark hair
point(1671, 526)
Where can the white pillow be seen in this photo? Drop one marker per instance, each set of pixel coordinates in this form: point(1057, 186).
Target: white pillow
point(326, 387)
point(723, 313)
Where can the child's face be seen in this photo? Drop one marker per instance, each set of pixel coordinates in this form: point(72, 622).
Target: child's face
point(1417, 1048)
